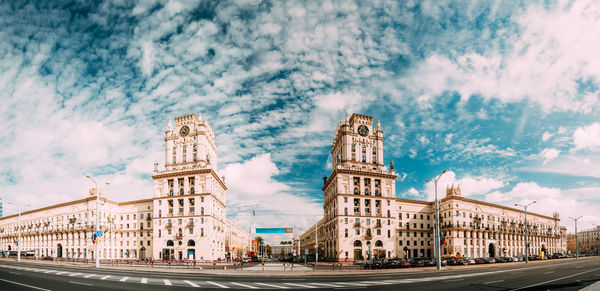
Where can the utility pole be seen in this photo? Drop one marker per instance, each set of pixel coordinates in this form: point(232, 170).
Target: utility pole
point(18, 229)
point(96, 254)
point(526, 241)
point(317, 243)
point(576, 238)
point(438, 250)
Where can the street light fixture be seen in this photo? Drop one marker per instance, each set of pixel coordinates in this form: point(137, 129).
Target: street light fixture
point(18, 228)
point(576, 238)
point(96, 254)
point(526, 240)
point(437, 243)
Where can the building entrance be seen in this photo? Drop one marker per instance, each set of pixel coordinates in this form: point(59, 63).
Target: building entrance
point(59, 251)
point(492, 251)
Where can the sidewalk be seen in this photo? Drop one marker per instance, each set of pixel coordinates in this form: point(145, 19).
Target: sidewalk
point(323, 269)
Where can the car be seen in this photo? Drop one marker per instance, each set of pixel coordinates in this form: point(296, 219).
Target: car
point(403, 263)
point(416, 263)
point(479, 261)
point(373, 264)
point(389, 264)
point(245, 260)
point(501, 259)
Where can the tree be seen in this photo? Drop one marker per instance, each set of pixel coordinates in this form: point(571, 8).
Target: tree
point(269, 250)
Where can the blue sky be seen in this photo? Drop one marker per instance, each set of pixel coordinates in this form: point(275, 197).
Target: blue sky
point(504, 95)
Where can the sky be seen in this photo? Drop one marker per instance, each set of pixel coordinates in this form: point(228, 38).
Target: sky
point(504, 95)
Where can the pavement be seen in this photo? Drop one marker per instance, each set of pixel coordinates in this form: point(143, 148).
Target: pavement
point(567, 274)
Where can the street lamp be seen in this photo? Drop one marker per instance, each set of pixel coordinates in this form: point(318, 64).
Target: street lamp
point(526, 241)
point(18, 229)
point(576, 238)
point(96, 254)
point(437, 225)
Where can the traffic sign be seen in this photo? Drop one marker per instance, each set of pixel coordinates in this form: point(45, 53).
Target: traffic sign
point(306, 251)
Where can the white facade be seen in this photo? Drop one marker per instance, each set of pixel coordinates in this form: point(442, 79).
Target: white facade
point(185, 218)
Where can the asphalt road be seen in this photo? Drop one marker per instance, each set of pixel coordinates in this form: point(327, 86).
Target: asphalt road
point(549, 275)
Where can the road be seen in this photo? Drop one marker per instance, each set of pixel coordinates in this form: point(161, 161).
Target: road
point(549, 275)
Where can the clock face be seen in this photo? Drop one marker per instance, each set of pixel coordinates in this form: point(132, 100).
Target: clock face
point(363, 130)
point(184, 131)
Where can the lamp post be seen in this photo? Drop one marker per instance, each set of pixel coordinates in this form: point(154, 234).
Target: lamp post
point(576, 238)
point(526, 241)
point(96, 254)
point(437, 242)
point(18, 228)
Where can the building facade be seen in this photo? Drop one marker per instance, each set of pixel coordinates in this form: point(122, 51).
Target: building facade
point(363, 218)
point(184, 219)
point(589, 240)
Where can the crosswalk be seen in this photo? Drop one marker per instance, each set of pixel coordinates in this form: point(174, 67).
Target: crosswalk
point(199, 283)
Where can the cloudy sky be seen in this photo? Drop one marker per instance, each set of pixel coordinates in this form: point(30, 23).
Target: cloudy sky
point(504, 95)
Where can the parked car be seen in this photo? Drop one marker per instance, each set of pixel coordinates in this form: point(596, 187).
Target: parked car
point(479, 261)
point(403, 263)
point(373, 264)
point(390, 264)
point(416, 263)
point(501, 259)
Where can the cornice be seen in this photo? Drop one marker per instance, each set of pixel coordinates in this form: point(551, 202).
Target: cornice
point(191, 172)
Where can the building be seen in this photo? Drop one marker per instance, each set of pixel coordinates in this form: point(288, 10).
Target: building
point(362, 218)
point(0, 209)
point(571, 243)
point(184, 219)
point(589, 240)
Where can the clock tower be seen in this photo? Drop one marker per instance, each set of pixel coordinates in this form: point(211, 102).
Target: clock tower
point(189, 196)
point(359, 194)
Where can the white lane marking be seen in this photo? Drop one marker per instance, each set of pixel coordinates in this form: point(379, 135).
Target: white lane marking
point(375, 283)
point(81, 283)
point(191, 283)
point(75, 274)
point(60, 273)
point(49, 271)
point(144, 281)
point(327, 285)
point(21, 284)
point(90, 275)
point(14, 273)
point(455, 280)
point(217, 284)
point(300, 285)
point(105, 277)
point(167, 282)
point(243, 285)
point(492, 282)
point(351, 283)
point(272, 286)
point(557, 279)
point(124, 279)
point(546, 273)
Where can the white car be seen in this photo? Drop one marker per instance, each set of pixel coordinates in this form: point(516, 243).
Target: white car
point(244, 260)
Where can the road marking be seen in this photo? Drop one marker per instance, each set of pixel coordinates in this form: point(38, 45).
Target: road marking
point(375, 283)
point(21, 284)
point(300, 285)
point(15, 273)
point(191, 283)
point(217, 284)
point(273, 286)
point(557, 279)
point(90, 275)
point(548, 272)
point(492, 282)
point(105, 277)
point(167, 282)
point(60, 273)
point(80, 283)
point(75, 274)
point(327, 285)
point(455, 280)
point(351, 283)
point(243, 285)
point(49, 271)
point(144, 281)
point(124, 279)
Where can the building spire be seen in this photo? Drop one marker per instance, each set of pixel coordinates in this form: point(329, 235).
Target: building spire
point(378, 127)
point(200, 117)
point(347, 119)
point(170, 124)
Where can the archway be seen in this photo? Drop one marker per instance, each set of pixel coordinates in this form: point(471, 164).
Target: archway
point(379, 252)
point(59, 251)
point(142, 252)
point(492, 251)
point(358, 250)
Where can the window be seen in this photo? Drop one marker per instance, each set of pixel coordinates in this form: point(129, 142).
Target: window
point(400, 243)
point(174, 155)
point(192, 190)
point(184, 153)
point(195, 152)
point(346, 232)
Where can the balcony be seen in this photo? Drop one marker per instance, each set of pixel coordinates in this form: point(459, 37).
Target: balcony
point(169, 225)
point(378, 225)
point(189, 224)
point(179, 236)
point(368, 237)
point(148, 218)
point(356, 225)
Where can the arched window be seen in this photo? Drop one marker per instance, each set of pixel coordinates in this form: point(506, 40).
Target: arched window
point(202, 211)
point(377, 192)
point(366, 191)
point(192, 191)
point(356, 191)
point(191, 243)
point(353, 147)
point(364, 149)
point(378, 243)
point(171, 192)
point(345, 210)
point(180, 231)
point(180, 191)
point(170, 243)
point(357, 243)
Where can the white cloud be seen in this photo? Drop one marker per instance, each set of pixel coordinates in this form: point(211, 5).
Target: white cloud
point(587, 137)
point(469, 185)
point(413, 192)
point(549, 154)
point(546, 136)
